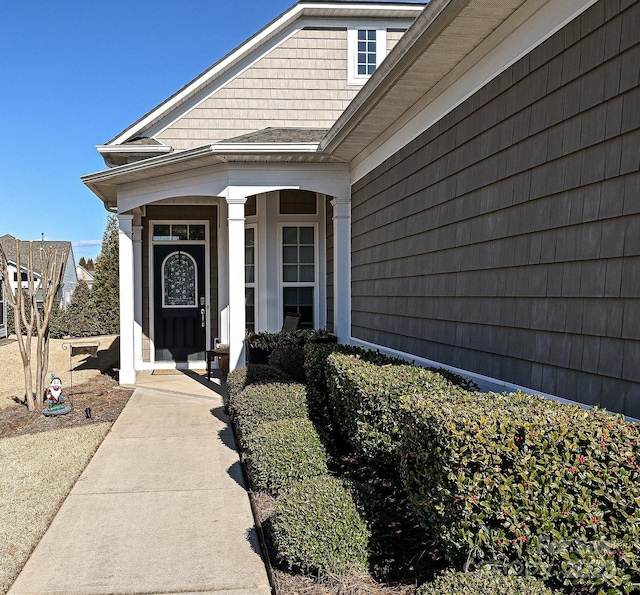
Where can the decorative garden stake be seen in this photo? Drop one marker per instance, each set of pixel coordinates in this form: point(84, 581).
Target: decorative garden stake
point(55, 399)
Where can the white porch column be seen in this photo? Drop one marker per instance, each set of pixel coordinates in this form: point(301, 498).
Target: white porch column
point(237, 317)
point(127, 300)
point(342, 268)
point(137, 285)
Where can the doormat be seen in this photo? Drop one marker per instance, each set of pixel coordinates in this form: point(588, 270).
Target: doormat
point(174, 372)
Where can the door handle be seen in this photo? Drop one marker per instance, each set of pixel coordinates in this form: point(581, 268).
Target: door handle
point(202, 315)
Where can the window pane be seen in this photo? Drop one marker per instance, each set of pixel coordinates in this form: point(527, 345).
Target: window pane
point(196, 232)
point(297, 202)
point(362, 69)
point(306, 235)
point(299, 300)
point(371, 69)
point(290, 273)
point(362, 47)
point(249, 255)
point(362, 34)
point(250, 206)
point(306, 273)
point(161, 232)
point(290, 254)
point(290, 235)
point(179, 232)
point(250, 310)
point(306, 255)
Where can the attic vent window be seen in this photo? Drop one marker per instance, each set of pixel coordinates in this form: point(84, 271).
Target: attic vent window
point(367, 49)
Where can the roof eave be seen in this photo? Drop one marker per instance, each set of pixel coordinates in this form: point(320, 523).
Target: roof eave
point(433, 20)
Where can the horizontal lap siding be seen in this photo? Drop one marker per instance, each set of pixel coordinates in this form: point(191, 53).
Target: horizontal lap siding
point(506, 239)
point(301, 83)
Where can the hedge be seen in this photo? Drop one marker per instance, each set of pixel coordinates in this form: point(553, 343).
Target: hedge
point(315, 361)
point(524, 479)
point(366, 399)
point(483, 582)
point(320, 524)
point(260, 403)
point(281, 452)
point(240, 378)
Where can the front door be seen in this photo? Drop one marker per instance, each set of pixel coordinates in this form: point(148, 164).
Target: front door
point(179, 302)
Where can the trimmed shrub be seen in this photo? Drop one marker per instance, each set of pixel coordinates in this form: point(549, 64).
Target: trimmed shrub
point(483, 582)
point(260, 403)
point(320, 525)
point(366, 399)
point(281, 452)
point(519, 478)
point(315, 362)
point(240, 378)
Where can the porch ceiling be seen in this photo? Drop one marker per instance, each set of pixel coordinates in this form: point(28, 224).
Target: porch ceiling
point(440, 39)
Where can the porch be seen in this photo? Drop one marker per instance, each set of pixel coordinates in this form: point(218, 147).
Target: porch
point(196, 269)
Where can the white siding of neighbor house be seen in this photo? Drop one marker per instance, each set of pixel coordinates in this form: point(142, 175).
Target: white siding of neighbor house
point(301, 83)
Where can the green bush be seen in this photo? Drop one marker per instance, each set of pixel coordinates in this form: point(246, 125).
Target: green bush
point(521, 478)
point(483, 582)
point(283, 451)
point(285, 350)
point(315, 361)
point(260, 403)
point(240, 378)
point(366, 399)
point(320, 525)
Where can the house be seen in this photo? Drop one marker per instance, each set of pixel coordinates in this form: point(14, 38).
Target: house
point(69, 277)
point(85, 275)
point(476, 203)
point(4, 333)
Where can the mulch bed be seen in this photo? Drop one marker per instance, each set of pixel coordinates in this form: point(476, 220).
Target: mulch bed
point(102, 395)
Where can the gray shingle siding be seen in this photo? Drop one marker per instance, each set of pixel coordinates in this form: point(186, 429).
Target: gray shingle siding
point(506, 238)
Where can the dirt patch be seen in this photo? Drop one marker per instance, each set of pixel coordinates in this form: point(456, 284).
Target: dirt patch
point(94, 388)
point(101, 394)
point(84, 367)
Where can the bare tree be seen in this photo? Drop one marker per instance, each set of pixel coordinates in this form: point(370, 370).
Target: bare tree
point(28, 317)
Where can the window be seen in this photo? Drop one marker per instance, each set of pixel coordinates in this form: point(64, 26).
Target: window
point(179, 287)
point(178, 232)
point(367, 49)
point(366, 52)
point(297, 202)
point(250, 277)
point(298, 272)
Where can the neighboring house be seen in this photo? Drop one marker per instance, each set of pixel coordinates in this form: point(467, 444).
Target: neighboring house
point(4, 332)
point(476, 203)
point(84, 275)
point(69, 277)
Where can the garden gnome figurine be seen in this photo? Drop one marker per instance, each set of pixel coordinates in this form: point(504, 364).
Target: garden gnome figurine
point(54, 392)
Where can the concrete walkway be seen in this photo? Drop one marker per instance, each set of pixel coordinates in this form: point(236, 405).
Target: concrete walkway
point(161, 508)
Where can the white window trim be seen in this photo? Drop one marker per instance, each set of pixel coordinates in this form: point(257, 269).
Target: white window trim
point(353, 78)
point(316, 266)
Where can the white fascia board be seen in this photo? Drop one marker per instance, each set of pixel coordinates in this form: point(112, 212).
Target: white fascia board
point(106, 149)
point(525, 30)
point(287, 148)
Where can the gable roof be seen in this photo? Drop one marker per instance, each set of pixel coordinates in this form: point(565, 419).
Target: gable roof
point(304, 13)
point(8, 245)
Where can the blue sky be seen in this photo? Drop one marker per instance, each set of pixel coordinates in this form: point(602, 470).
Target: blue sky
point(74, 73)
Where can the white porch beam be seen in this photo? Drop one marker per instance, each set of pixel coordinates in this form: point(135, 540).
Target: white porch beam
point(342, 267)
point(127, 373)
point(236, 200)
